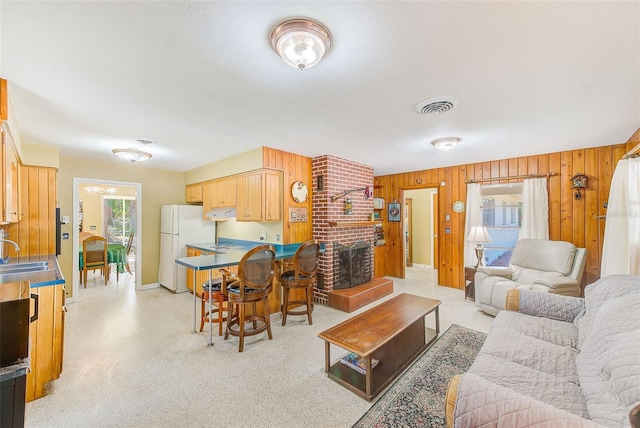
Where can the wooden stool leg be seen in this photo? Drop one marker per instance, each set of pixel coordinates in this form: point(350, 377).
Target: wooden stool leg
point(285, 305)
point(267, 317)
point(202, 309)
point(255, 313)
point(220, 317)
point(309, 304)
point(241, 328)
point(230, 315)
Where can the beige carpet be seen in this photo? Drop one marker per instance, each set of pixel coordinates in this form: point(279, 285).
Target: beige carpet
point(131, 361)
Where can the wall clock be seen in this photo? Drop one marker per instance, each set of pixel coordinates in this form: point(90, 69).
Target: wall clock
point(299, 192)
point(457, 206)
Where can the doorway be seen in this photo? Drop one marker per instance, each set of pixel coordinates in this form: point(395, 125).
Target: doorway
point(112, 209)
point(420, 228)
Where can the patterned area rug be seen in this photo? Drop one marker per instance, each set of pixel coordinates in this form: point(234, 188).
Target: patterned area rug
point(417, 397)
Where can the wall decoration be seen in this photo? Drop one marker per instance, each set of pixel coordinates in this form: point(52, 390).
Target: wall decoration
point(457, 206)
point(394, 211)
point(299, 192)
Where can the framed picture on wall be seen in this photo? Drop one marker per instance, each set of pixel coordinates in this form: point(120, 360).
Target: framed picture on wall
point(394, 211)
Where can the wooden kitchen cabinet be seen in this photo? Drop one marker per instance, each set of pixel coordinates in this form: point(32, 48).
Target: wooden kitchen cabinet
point(46, 336)
point(10, 181)
point(259, 196)
point(220, 193)
point(193, 193)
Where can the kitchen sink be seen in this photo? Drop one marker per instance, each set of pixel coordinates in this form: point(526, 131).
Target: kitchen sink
point(24, 267)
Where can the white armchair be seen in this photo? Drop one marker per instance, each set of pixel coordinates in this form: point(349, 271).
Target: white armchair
point(536, 264)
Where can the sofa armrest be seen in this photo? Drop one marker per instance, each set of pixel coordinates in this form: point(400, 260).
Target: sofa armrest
point(480, 402)
point(450, 400)
point(559, 285)
point(547, 305)
point(502, 271)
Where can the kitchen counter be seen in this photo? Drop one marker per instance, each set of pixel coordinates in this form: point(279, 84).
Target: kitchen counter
point(228, 252)
point(42, 278)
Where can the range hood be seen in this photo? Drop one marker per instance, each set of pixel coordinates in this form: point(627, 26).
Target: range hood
point(221, 214)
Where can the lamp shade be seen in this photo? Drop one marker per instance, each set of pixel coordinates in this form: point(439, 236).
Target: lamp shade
point(479, 234)
point(301, 42)
point(445, 144)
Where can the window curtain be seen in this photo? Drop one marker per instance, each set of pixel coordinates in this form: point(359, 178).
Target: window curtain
point(473, 218)
point(621, 247)
point(535, 209)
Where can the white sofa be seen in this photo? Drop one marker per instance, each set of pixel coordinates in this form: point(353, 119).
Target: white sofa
point(559, 361)
point(536, 264)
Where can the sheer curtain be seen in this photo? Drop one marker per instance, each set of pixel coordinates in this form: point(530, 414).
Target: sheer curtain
point(535, 209)
point(621, 247)
point(473, 218)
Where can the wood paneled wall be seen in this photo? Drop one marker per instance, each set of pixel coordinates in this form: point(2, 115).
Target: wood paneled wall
point(570, 219)
point(295, 167)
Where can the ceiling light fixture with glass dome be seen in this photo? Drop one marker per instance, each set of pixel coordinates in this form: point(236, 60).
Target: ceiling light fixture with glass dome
point(445, 144)
point(301, 42)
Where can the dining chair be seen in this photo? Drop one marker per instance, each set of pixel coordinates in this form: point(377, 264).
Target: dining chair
point(301, 277)
point(94, 255)
point(128, 249)
point(253, 285)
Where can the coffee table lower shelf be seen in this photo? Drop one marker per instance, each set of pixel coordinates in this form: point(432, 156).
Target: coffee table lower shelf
point(393, 358)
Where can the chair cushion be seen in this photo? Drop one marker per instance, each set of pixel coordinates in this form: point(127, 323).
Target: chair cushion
point(235, 289)
point(217, 285)
point(290, 275)
point(537, 256)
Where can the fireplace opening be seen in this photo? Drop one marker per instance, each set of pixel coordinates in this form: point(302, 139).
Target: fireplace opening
point(351, 264)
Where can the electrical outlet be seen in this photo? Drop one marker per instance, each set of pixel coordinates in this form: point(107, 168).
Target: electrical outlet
point(277, 237)
point(263, 236)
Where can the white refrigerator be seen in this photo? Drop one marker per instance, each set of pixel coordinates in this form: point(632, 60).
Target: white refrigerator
point(180, 225)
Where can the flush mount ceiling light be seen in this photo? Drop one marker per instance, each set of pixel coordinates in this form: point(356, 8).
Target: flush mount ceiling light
point(445, 144)
point(301, 42)
point(132, 155)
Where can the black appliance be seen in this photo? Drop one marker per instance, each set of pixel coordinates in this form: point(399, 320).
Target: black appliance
point(15, 305)
point(58, 232)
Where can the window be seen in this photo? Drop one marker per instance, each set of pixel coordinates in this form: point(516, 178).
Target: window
point(119, 218)
point(502, 215)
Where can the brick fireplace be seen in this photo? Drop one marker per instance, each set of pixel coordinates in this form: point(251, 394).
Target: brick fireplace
point(333, 176)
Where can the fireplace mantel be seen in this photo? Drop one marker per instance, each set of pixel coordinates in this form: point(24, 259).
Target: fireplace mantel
point(353, 223)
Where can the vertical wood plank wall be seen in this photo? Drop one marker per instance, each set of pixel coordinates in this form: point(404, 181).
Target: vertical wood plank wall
point(569, 219)
point(295, 167)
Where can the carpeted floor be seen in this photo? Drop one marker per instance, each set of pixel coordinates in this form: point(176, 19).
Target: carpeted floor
point(417, 398)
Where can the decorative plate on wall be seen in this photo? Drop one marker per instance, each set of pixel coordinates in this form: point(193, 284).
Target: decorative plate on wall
point(457, 206)
point(299, 192)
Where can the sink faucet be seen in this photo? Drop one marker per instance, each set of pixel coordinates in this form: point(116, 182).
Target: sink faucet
point(3, 235)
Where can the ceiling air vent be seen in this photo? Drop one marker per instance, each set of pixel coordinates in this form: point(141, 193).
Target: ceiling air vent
point(437, 105)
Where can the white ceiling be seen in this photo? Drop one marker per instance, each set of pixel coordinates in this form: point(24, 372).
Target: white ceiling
point(201, 79)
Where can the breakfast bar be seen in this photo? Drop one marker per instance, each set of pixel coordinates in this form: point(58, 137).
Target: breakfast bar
point(227, 252)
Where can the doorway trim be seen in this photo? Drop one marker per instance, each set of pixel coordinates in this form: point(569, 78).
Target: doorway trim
point(75, 236)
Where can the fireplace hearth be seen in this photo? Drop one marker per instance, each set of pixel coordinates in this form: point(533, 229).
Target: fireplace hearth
point(351, 264)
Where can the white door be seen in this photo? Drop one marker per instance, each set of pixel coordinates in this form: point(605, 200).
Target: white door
point(168, 268)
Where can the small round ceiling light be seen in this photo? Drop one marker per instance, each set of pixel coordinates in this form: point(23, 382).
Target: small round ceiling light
point(132, 155)
point(445, 144)
point(301, 42)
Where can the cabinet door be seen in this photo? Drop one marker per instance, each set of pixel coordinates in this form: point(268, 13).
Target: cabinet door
point(10, 179)
point(193, 193)
point(249, 195)
point(223, 193)
point(272, 196)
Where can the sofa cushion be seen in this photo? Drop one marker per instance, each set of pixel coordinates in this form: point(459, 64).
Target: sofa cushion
point(545, 387)
point(609, 360)
point(557, 332)
point(533, 257)
point(596, 294)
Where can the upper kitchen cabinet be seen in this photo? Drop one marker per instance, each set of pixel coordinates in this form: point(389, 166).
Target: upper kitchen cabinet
point(10, 173)
point(193, 193)
point(259, 196)
point(220, 193)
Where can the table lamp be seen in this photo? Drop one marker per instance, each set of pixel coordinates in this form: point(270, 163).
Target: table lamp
point(479, 235)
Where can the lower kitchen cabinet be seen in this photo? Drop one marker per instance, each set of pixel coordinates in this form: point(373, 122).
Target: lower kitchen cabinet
point(46, 336)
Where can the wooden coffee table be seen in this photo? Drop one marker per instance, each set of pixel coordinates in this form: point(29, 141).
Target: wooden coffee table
point(393, 332)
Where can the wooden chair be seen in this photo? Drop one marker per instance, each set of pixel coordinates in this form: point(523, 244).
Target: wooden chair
point(126, 262)
point(94, 254)
point(302, 277)
point(255, 277)
point(218, 299)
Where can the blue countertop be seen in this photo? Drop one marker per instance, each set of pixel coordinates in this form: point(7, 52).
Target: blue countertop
point(228, 252)
point(41, 278)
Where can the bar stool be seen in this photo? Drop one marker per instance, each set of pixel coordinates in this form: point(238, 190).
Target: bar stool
point(302, 277)
point(255, 277)
point(217, 298)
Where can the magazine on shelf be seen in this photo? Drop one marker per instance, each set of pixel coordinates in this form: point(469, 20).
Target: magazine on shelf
point(357, 362)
